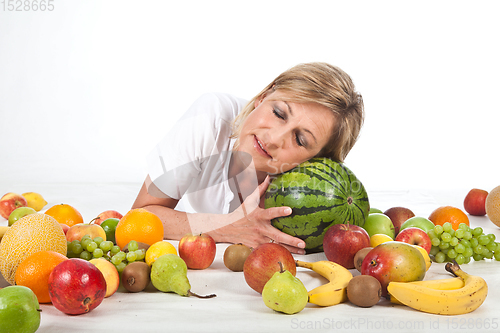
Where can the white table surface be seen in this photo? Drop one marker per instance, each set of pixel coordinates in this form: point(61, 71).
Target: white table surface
point(237, 307)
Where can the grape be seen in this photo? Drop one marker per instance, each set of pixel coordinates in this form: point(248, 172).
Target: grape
point(121, 266)
point(133, 246)
point(115, 260)
point(463, 226)
point(460, 259)
point(92, 246)
point(454, 241)
point(432, 234)
point(115, 249)
point(445, 237)
point(438, 229)
point(452, 254)
point(444, 245)
point(468, 252)
point(86, 255)
point(141, 254)
point(440, 257)
point(447, 227)
point(85, 241)
point(474, 242)
point(98, 240)
point(492, 237)
point(460, 233)
point(460, 248)
point(478, 249)
point(491, 247)
point(477, 231)
point(435, 241)
point(106, 246)
point(488, 254)
point(467, 235)
point(121, 255)
point(477, 257)
point(497, 256)
point(131, 256)
point(434, 250)
point(465, 243)
point(98, 253)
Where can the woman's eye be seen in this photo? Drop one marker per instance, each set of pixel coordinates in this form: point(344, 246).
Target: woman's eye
point(299, 140)
point(278, 114)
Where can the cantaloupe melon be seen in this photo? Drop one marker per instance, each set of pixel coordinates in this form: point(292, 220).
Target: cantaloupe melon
point(492, 205)
point(30, 234)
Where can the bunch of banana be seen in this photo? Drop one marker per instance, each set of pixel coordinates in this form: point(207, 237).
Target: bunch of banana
point(453, 296)
point(333, 292)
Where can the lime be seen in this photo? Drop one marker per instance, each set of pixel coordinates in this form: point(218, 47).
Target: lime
point(109, 226)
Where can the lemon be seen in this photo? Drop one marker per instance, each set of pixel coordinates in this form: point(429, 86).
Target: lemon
point(35, 200)
point(424, 254)
point(379, 239)
point(158, 249)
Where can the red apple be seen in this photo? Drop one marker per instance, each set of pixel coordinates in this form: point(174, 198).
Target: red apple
point(81, 229)
point(394, 261)
point(263, 262)
point(106, 215)
point(9, 202)
point(343, 241)
point(415, 236)
point(475, 202)
point(76, 286)
point(198, 251)
point(64, 227)
point(398, 216)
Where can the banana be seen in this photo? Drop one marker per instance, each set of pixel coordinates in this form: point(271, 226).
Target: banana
point(442, 301)
point(3, 230)
point(438, 284)
point(333, 292)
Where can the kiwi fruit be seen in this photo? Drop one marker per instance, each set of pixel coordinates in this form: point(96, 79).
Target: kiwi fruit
point(360, 256)
point(136, 276)
point(235, 256)
point(364, 291)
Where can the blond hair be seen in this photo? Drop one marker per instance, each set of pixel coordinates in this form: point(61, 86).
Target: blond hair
point(323, 84)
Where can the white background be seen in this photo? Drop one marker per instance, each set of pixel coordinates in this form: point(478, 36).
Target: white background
point(86, 90)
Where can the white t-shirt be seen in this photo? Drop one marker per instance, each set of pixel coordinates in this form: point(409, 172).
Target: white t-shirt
point(192, 160)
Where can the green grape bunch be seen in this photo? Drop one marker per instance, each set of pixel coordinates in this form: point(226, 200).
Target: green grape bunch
point(88, 249)
point(463, 244)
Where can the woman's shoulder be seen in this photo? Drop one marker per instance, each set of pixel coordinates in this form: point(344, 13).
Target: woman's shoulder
point(222, 104)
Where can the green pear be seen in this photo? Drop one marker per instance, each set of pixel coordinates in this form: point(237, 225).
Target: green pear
point(285, 293)
point(169, 274)
point(19, 310)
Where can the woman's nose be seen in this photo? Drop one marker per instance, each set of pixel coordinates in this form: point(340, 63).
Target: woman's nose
point(278, 136)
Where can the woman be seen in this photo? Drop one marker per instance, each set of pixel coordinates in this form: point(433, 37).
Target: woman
point(221, 152)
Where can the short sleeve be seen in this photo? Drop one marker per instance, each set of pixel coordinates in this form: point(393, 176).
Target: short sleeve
point(203, 131)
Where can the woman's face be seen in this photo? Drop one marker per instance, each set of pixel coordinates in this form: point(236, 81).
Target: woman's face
point(279, 135)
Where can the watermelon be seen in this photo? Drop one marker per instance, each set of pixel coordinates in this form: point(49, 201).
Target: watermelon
point(321, 193)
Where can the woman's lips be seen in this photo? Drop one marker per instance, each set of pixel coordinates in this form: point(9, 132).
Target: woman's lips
point(259, 146)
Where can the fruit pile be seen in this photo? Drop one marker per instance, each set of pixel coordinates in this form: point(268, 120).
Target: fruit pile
point(43, 256)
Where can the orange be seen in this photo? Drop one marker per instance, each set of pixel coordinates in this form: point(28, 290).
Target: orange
point(450, 214)
point(31, 233)
point(492, 206)
point(34, 272)
point(139, 225)
point(65, 214)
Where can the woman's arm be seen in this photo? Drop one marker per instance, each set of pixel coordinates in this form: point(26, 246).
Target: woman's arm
point(249, 224)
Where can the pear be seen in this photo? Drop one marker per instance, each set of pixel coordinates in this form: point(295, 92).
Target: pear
point(19, 310)
point(285, 293)
point(169, 274)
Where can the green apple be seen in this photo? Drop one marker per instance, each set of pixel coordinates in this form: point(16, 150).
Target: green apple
point(375, 210)
point(109, 226)
point(19, 213)
point(378, 223)
point(19, 310)
point(419, 222)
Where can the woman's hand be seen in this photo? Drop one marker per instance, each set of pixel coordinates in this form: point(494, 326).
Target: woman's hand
point(252, 225)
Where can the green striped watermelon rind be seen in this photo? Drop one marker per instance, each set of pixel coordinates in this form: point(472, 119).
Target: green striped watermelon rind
point(320, 190)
